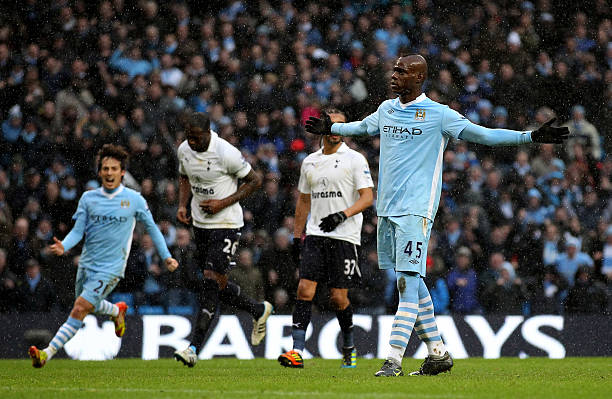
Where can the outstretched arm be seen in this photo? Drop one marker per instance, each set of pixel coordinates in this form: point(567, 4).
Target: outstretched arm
point(499, 137)
point(494, 137)
point(324, 125)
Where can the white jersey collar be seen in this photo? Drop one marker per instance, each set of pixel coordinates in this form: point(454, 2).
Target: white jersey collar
point(114, 193)
point(213, 141)
point(420, 98)
point(343, 148)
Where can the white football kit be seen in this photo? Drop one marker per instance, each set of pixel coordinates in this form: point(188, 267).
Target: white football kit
point(214, 174)
point(333, 182)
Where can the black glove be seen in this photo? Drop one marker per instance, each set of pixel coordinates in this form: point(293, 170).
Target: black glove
point(331, 221)
point(319, 125)
point(549, 134)
point(296, 249)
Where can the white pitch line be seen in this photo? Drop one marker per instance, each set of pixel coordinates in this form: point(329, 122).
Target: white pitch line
point(227, 392)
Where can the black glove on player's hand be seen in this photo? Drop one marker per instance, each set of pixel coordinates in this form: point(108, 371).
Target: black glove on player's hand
point(331, 221)
point(296, 249)
point(319, 125)
point(549, 134)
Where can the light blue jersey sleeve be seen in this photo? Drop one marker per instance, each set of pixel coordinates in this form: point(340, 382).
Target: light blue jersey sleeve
point(76, 234)
point(143, 214)
point(368, 126)
point(453, 122)
point(494, 137)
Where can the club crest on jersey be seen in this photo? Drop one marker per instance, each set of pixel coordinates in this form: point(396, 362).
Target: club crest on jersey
point(125, 203)
point(323, 182)
point(419, 114)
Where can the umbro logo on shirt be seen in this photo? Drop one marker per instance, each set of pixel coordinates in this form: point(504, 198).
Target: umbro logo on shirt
point(390, 111)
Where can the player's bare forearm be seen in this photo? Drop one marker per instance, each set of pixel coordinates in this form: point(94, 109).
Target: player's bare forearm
point(251, 183)
point(366, 199)
point(302, 208)
point(184, 191)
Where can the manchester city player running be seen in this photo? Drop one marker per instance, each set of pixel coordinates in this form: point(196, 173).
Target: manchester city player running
point(335, 187)
point(414, 131)
point(106, 217)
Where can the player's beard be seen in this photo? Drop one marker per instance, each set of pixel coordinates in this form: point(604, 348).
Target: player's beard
point(333, 140)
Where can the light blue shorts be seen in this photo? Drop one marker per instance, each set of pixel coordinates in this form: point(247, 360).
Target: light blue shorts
point(94, 286)
point(402, 243)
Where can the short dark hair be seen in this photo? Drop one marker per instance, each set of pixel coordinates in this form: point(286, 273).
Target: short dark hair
point(198, 119)
point(113, 151)
point(334, 111)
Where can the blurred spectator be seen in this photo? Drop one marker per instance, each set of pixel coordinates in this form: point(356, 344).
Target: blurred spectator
point(548, 294)
point(8, 286)
point(155, 281)
point(247, 276)
point(369, 296)
point(569, 261)
point(36, 293)
point(436, 283)
point(583, 132)
point(182, 282)
point(506, 294)
point(276, 263)
point(21, 248)
point(463, 284)
point(587, 296)
point(606, 255)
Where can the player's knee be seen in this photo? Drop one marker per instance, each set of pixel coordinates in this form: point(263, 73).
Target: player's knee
point(220, 279)
point(80, 310)
point(306, 292)
point(339, 300)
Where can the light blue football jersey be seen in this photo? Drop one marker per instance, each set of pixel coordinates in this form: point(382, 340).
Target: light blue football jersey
point(108, 221)
point(413, 137)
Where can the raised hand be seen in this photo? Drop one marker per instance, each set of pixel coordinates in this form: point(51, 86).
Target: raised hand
point(171, 264)
point(57, 248)
point(319, 125)
point(549, 134)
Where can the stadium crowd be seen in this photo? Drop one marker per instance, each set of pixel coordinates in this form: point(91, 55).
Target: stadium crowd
point(518, 231)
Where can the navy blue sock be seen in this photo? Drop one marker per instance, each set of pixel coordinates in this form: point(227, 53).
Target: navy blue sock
point(345, 319)
point(301, 318)
point(208, 299)
point(232, 296)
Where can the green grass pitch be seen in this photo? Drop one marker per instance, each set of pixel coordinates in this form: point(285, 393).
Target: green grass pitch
point(232, 378)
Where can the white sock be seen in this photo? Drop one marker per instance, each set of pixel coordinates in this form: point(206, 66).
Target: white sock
point(435, 348)
point(50, 351)
point(396, 354)
point(107, 308)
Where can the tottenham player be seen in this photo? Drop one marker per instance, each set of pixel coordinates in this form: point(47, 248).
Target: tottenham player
point(209, 169)
point(335, 187)
point(414, 131)
point(106, 217)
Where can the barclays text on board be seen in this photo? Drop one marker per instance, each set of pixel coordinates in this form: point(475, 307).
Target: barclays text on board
point(157, 336)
